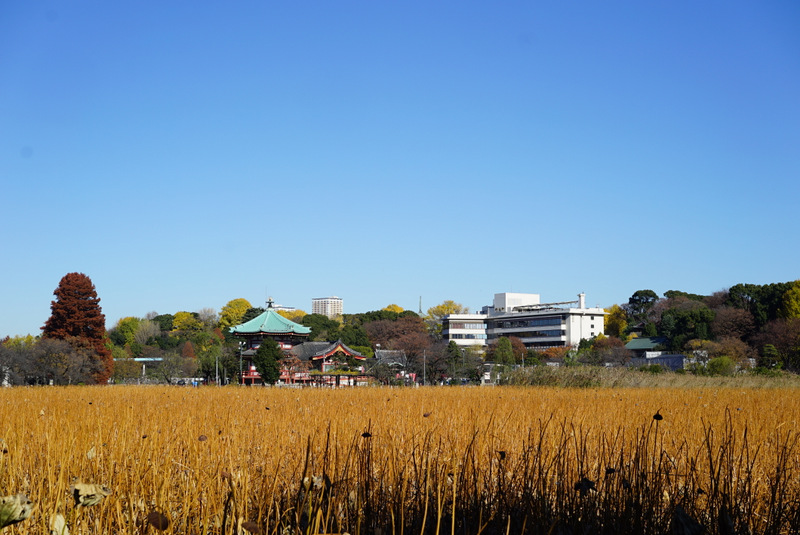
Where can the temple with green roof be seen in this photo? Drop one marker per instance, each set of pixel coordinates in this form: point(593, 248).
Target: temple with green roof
point(270, 324)
point(320, 363)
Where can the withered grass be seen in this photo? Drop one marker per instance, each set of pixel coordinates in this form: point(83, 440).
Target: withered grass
point(484, 460)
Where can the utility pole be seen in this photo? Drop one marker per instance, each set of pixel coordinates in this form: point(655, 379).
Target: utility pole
point(424, 363)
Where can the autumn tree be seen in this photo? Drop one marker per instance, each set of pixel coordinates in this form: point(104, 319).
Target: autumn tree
point(415, 344)
point(232, 313)
point(387, 332)
point(616, 321)
point(611, 349)
point(76, 317)
point(555, 354)
point(784, 336)
point(732, 322)
point(293, 315)
point(436, 313)
point(517, 348)
point(294, 366)
point(187, 351)
point(393, 308)
point(124, 331)
point(790, 304)
point(186, 321)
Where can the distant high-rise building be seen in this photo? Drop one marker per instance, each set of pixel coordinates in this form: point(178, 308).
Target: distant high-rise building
point(327, 306)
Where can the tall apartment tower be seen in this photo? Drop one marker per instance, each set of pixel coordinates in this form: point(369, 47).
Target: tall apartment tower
point(327, 306)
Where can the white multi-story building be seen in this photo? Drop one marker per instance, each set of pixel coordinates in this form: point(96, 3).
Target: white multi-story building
point(327, 306)
point(465, 329)
point(538, 325)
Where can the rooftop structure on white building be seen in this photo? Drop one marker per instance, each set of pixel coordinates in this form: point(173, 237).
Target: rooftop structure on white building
point(539, 325)
point(327, 306)
point(279, 308)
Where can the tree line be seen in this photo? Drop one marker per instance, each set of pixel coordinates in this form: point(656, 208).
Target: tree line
point(744, 322)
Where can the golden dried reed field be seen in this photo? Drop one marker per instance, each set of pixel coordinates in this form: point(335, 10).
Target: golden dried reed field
point(379, 460)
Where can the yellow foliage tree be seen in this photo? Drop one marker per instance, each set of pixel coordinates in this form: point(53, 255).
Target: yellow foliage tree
point(447, 307)
point(616, 321)
point(186, 321)
point(293, 315)
point(19, 342)
point(393, 308)
point(435, 315)
point(790, 305)
point(232, 313)
point(127, 327)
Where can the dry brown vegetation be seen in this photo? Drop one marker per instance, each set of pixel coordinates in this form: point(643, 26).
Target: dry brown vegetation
point(377, 460)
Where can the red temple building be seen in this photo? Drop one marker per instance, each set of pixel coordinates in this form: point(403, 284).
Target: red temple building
point(321, 363)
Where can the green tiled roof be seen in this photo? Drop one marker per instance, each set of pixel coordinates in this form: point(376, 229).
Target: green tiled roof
point(645, 343)
point(270, 322)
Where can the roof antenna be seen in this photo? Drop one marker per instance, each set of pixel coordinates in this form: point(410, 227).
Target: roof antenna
point(269, 302)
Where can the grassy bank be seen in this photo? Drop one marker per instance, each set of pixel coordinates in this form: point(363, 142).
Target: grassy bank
point(620, 377)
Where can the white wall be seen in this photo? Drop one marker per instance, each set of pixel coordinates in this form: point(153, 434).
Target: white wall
point(506, 301)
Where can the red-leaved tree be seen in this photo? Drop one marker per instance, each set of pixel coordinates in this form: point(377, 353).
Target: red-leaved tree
point(76, 317)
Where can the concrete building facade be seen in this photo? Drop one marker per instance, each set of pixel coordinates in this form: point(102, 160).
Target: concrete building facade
point(465, 329)
point(539, 325)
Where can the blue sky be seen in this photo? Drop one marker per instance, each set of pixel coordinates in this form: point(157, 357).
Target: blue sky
point(183, 154)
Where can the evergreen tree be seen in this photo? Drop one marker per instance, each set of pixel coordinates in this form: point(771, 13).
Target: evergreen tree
point(770, 357)
point(267, 361)
point(454, 357)
point(76, 317)
point(504, 351)
point(322, 327)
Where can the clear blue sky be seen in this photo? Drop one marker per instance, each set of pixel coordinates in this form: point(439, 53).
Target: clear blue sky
point(183, 154)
